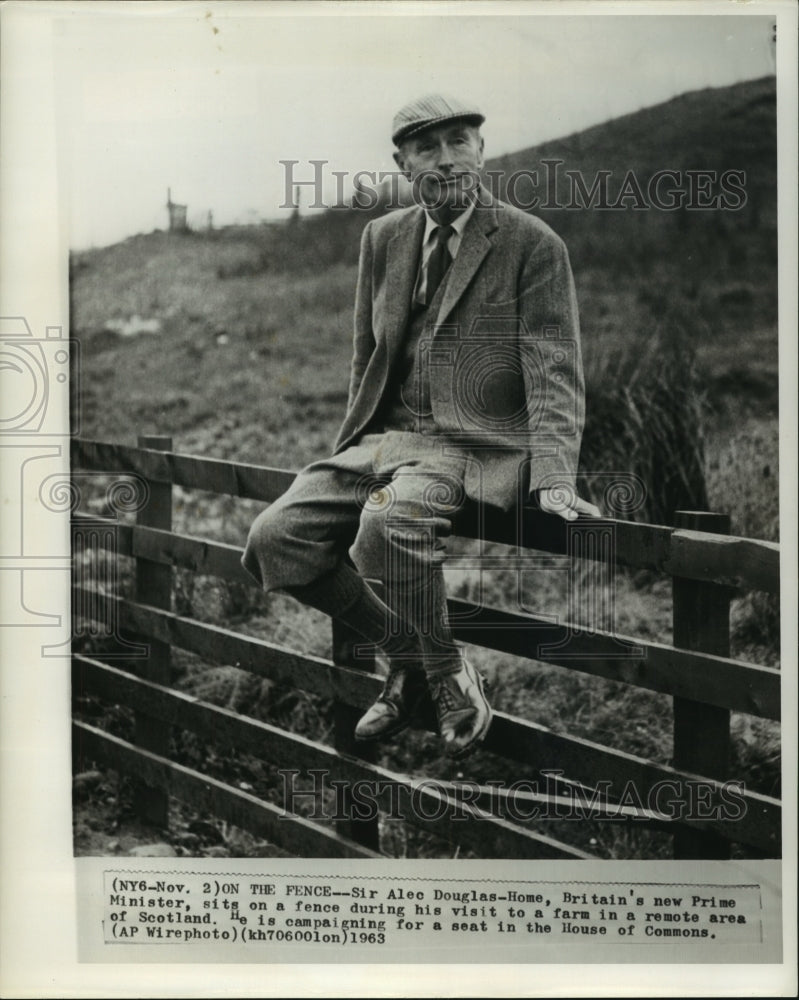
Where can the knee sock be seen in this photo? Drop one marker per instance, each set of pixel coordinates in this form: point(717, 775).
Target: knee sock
point(410, 641)
point(345, 595)
point(416, 591)
point(428, 612)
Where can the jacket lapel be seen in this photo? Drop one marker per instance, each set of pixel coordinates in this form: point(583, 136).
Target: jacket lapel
point(474, 246)
point(401, 266)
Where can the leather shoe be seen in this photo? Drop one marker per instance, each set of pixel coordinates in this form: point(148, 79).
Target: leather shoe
point(464, 714)
point(402, 696)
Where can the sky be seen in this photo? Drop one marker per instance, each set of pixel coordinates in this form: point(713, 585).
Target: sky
point(209, 99)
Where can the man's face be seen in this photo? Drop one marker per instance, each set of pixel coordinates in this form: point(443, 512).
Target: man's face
point(443, 164)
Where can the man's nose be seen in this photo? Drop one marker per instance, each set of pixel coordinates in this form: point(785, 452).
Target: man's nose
point(445, 160)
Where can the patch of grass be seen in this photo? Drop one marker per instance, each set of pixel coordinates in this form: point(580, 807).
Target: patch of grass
point(644, 419)
point(743, 475)
point(743, 478)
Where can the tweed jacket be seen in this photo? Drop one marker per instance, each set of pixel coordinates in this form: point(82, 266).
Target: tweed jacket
point(504, 363)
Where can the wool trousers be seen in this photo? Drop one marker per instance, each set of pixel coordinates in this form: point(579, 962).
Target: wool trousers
point(386, 503)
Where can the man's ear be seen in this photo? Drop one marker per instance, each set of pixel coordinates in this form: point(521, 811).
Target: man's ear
point(482, 150)
point(399, 159)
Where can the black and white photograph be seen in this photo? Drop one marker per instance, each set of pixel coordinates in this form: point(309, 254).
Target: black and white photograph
point(404, 430)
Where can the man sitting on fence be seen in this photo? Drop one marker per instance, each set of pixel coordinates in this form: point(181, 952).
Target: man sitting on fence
point(466, 385)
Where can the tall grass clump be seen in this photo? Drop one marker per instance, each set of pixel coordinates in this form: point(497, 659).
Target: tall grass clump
point(645, 419)
point(743, 479)
point(742, 476)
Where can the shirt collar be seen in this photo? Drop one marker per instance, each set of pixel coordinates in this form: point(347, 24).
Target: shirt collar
point(458, 224)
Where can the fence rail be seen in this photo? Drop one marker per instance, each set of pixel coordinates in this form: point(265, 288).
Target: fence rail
point(697, 672)
point(746, 563)
point(713, 680)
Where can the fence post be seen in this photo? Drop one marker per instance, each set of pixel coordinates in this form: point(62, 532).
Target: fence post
point(345, 717)
point(701, 732)
point(154, 587)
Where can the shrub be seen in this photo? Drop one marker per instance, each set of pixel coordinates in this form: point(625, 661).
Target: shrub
point(645, 416)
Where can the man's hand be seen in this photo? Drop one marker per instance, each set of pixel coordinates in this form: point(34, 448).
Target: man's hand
point(566, 504)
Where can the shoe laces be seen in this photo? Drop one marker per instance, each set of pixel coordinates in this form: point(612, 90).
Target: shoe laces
point(448, 696)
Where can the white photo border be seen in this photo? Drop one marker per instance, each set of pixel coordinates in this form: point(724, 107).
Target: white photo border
point(39, 930)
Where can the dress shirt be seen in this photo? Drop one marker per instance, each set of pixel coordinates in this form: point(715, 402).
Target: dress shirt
point(428, 242)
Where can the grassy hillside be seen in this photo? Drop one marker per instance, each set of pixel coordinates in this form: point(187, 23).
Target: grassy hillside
point(717, 129)
point(282, 295)
point(678, 311)
point(717, 266)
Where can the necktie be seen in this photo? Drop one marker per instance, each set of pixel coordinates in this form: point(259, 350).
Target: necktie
point(438, 262)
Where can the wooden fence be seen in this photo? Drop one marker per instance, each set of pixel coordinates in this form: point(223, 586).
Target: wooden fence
point(701, 810)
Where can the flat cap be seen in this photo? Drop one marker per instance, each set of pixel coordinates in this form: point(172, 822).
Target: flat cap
point(432, 109)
